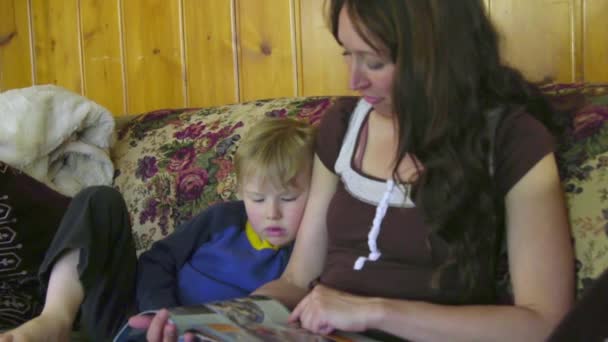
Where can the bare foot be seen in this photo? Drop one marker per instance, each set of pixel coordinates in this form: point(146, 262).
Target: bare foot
point(42, 328)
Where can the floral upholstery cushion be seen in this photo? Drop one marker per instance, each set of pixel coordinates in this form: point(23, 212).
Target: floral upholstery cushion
point(583, 162)
point(171, 164)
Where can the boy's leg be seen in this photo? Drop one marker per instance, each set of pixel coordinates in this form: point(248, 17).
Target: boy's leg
point(97, 225)
point(60, 309)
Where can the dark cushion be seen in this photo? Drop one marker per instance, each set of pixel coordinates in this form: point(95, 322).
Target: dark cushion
point(30, 213)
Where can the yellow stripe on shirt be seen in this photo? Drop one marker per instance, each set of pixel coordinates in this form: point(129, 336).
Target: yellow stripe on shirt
point(256, 241)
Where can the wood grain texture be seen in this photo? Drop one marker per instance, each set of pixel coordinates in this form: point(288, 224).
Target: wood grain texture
point(153, 57)
point(133, 56)
point(209, 52)
point(539, 37)
point(595, 40)
point(15, 54)
point(266, 58)
point(101, 51)
point(488, 4)
point(323, 69)
point(56, 43)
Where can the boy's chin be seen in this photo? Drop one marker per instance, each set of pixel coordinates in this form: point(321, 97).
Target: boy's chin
point(278, 242)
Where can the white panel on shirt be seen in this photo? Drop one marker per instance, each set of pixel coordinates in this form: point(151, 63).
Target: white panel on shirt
point(360, 187)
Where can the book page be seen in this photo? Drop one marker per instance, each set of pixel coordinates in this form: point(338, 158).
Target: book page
point(254, 318)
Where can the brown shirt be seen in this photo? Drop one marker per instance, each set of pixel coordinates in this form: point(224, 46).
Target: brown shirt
point(407, 263)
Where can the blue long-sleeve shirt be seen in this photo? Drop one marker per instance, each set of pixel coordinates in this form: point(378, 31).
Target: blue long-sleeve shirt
point(214, 256)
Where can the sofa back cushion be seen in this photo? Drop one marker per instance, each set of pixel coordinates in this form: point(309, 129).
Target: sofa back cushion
point(30, 213)
point(583, 163)
point(171, 164)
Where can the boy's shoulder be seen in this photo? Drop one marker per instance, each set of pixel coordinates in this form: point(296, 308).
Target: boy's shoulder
point(236, 205)
point(230, 210)
point(217, 216)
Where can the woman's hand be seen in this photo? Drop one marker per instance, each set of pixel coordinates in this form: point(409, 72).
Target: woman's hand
point(159, 327)
point(324, 309)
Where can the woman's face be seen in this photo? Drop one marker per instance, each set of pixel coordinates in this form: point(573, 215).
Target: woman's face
point(371, 73)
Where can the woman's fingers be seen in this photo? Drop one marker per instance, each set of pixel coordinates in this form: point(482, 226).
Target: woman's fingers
point(190, 337)
point(307, 314)
point(169, 333)
point(325, 329)
point(297, 311)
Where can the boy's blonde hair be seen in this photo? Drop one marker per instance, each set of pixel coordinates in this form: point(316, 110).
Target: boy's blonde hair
point(276, 150)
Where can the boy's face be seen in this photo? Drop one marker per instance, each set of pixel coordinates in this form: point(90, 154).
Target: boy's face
point(275, 214)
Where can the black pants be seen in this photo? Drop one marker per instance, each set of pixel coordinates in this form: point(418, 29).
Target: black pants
point(97, 224)
point(588, 320)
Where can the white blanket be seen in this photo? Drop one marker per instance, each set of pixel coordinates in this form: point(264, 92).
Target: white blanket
point(56, 136)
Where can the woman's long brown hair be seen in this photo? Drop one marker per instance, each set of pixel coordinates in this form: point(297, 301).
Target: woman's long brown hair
point(448, 75)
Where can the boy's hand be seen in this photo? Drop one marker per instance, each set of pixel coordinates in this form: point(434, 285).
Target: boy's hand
point(160, 329)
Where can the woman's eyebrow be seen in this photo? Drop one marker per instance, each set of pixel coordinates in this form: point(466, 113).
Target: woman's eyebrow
point(361, 52)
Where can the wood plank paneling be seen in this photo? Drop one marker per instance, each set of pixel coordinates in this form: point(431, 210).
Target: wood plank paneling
point(297, 43)
point(56, 43)
point(153, 56)
point(487, 4)
point(595, 40)
point(539, 37)
point(266, 58)
point(209, 52)
point(15, 54)
point(323, 69)
point(138, 55)
point(102, 60)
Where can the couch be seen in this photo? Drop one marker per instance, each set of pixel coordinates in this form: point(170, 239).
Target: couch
point(172, 163)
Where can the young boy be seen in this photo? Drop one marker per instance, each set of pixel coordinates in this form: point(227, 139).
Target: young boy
point(232, 248)
point(65, 261)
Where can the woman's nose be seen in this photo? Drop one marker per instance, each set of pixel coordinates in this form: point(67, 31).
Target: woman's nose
point(358, 79)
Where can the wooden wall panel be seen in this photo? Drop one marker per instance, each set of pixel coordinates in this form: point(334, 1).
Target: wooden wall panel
point(595, 40)
point(15, 54)
point(323, 70)
point(266, 42)
point(153, 55)
point(539, 37)
point(56, 43)
point(133, 56)
point(209, 52)
point(101, 50)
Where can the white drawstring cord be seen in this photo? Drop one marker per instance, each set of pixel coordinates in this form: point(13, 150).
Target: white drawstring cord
point(374, 253)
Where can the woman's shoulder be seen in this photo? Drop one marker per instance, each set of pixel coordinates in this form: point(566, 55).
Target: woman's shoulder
point(518, 127)
point(333, 128)
point(519, 118)
point(521, 142)
point(339, 113)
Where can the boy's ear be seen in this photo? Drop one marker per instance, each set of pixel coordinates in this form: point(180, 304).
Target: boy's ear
point(239, 192)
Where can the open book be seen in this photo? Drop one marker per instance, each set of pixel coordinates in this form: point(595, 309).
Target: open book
point(253, 318)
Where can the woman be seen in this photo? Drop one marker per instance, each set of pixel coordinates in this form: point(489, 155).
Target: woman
point(408, 198)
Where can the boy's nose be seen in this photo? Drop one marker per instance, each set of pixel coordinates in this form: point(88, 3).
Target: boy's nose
point(272, 211)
